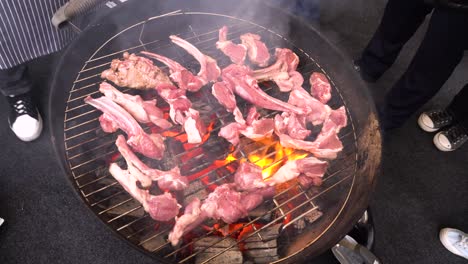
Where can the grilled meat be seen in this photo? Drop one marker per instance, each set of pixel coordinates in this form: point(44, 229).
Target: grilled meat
point(179, 74)
point(135, 72)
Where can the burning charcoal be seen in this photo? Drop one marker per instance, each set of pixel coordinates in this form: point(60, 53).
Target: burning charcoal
point(195, 189)
point(215, 147)
point(310, 217)
point(261, 253)
point(205, 245)
point(313, 216)
point(267, 234)
point(260, 244)
point(220, 243)
point(262, 211)
point(234, 257)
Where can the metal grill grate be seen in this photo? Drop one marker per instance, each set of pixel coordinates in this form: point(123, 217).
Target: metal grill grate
point(89, 150)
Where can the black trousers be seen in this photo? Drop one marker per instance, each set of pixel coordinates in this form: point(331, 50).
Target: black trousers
point(459, 107)
point(439, 53)
point(15, 81)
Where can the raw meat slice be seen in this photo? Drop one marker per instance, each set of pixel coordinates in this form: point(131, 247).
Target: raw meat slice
point(182, 113)
point(209, 69)
point(193, 216)
point(283, 71)
point(224, 95)
point(310, 167)
point(151, 146)
point(223, 203)
point(248, 177)
point(327, 146)
point(135, 72)
point(142, 111)
point(320, 88)
point(107, 124)
point(317, 111)
point(256, 49)
point(243, 84)
point(161, 207)
point(179, 74)
point(253, 128)
point(294, 126)
point(235, 52)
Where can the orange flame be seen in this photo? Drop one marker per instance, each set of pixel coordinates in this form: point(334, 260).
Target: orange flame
point(272, 156)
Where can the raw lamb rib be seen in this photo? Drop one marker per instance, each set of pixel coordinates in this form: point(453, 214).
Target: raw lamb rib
point(283, 71)
point(182, 113)
point(223, 203)
point(167, 180)
point(253, 128)
point(135, 72)
point(317, 111)
point(142, 111)
point(236, 52)
point(310, 167)
point(178, 73)
point(320, 88)
point(152, 146)
point(292, 125)
point(241, 81)
point(225, 96)
point(256, 49)
point(160, 207)
point(209, 70)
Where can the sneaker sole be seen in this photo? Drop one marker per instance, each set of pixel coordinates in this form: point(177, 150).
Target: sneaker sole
point(440, 146)
point(424, 126)
point(35, 135)
point(447, 244)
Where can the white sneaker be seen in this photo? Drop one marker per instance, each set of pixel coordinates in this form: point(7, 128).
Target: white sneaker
point(434, 120)
point(25, 120)
point(455, 241)
point(451, 138)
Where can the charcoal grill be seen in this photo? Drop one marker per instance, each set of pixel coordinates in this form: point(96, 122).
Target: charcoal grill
point(84, 151)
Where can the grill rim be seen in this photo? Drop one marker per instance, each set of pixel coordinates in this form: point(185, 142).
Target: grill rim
point(61, 155)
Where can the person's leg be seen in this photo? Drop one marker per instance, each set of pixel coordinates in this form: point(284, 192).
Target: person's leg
point(434, 62)
point(15, 81)
point(400, 21)
point(459, 107)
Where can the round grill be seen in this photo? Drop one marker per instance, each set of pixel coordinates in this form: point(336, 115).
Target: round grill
point(307, 220)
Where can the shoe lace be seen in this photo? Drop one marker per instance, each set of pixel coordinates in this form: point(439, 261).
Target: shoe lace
point(463, 243)
point(456, 134)
point(442, 116)
point(22, 105)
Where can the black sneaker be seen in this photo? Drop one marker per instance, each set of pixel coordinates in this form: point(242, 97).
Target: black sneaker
point(434, 120)
point(25, 120)
point(364, 75)
point(451, 138)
